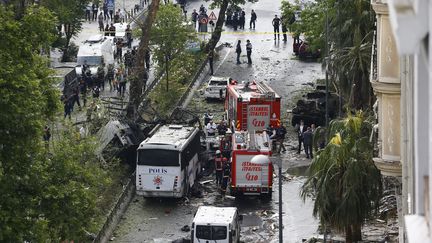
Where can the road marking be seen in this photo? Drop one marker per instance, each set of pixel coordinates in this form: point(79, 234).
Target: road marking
point(223, 60)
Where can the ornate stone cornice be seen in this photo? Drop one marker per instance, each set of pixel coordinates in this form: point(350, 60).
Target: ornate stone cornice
point(379, 7)
point(386, 88)
point(388, 168)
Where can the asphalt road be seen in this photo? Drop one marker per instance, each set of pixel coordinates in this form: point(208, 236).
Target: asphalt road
point(273, 62)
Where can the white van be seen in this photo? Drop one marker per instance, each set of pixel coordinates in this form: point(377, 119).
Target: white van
point(216, 225)
point(216, 88)
point(96, 50)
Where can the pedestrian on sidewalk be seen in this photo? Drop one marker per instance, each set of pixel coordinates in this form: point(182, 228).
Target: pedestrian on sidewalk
point(210, 59)
point(83, 89)
point(253, 19)
point(105, 11)
point(112, 29)
point(276, 22)
point(235, 20)
point(107, 30)
point(147, 58)
point(95, 9)
point(101, 77)
point(101, 22)
point(238, 51)
point(284, 29)
point(242, 19)
point(111, 12)
point(249, 51)
point(119, 46)
point(66, 105)
point(194, 18)
point(117, 17)
point(75, 98)
point(110, 76)
point(129, 36)
point(88, 12)
point(307, 142)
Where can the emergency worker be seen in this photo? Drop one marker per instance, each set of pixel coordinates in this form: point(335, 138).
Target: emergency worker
point(219, 167)
point(226, 174)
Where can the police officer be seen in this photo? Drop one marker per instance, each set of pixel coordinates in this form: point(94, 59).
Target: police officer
point(249, 51)
point(276, 22)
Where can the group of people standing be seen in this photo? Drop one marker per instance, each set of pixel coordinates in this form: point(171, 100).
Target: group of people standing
point(305, 137)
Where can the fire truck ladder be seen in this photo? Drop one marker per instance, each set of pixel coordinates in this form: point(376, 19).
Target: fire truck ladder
point(265, 90)
point(244, 113)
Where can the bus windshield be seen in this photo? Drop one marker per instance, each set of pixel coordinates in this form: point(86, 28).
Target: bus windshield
point(207, 232)
point(158, 157)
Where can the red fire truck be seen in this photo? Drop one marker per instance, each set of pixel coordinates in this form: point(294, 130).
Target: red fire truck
point(248, 178)
point(252, 106)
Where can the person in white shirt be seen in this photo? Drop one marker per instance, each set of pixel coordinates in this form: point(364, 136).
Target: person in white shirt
point(211, 128)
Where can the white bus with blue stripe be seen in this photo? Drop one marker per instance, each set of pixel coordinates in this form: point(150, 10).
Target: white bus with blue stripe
point(167, 162)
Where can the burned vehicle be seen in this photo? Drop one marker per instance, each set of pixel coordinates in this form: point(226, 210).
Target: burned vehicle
point(312, 107)
point(302, 49)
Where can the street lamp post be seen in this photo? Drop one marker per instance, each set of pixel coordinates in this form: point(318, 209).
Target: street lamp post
point(265, 160)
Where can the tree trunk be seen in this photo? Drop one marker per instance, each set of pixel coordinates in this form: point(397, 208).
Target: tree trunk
point(348, 234)
point(218, 29)
point(166, 71)
point(356, 232)
point(138, 83)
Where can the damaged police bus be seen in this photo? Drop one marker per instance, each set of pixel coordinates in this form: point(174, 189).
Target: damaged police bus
point(167, 162)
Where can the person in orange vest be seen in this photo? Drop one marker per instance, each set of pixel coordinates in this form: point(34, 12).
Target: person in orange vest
point(219, 167)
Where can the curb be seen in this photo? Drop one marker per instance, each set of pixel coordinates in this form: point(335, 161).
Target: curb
point(117, 211)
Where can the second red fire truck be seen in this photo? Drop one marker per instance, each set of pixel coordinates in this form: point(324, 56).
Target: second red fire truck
point(252, 106)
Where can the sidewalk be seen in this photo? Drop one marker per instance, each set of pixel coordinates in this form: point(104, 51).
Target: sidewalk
point(109, 101)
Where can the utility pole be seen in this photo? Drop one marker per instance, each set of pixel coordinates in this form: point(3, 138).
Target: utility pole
point(326, 72)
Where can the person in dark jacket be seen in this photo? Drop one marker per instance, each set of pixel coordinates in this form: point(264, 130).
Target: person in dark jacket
point(307, 142)
point(226, 175)
point(249, 51)
point(300, 128)
point(252, 20)
point(276, 22)
point(210, 59)
point(280, 134)
point(242, 19)
point(238, 51)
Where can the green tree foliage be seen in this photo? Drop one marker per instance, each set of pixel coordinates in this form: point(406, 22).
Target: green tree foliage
point(169, 37)
point(350, 36)
point(343, 178)
point(70, 180)
point(69, 15)
point(45, 197)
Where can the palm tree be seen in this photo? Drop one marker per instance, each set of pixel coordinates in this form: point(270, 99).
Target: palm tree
point(351, 34)
point(343, 178)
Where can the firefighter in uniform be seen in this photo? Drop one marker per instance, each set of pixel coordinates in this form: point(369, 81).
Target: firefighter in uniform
point(219, 167)
point(226, 174)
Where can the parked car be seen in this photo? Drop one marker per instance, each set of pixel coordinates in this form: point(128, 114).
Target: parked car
point(216, 88)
